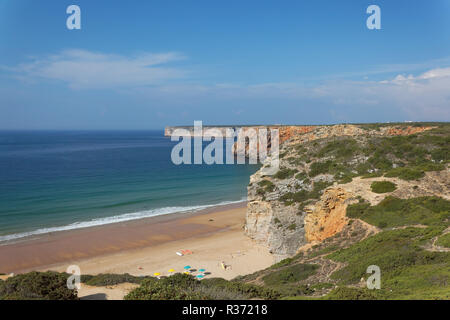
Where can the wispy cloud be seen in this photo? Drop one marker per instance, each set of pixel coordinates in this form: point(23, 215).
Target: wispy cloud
point(86, 69)
point(419, 96)
point(425, 96)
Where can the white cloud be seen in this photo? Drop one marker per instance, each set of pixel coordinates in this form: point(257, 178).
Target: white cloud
point(86, 69)
point(424, 96)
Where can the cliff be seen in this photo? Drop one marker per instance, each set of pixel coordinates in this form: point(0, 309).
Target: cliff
point(321, 173)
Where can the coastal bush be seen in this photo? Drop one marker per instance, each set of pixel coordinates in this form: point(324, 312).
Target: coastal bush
point(109, 279)
point(405, 173)
point(322, 285)
point(285, 173)
point(393, 212)
point(290, 198)
point(292, 227)
point(290, 274)
point(317, 168)
point(444, 241)
point(346, 293)
point(380, 162)
point(175, 287)
point(396, 252)
point(158, 290)
point(339, 148)
point(383, 186)
point(37, 286)
point(249, 291)
point(186, 287)
point(301, 176)
point(266, 186)
point(319, 186)
point(323, 251)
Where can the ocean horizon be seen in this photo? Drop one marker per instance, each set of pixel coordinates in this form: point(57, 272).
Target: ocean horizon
point(63, 180)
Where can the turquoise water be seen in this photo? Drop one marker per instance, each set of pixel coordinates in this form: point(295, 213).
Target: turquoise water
point(51, 181)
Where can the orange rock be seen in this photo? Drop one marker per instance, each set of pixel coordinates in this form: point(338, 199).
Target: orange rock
point(328, 216)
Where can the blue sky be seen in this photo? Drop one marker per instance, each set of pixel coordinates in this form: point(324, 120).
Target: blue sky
point(147, 64)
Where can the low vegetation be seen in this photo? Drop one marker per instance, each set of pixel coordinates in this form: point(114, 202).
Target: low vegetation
point(285, 173)
point(186, 287)
point(37, 286)
point(394, 212)
point(444, 241)
point(108, 279)
point(383, 186)
point(408, 271)
point(290, 274)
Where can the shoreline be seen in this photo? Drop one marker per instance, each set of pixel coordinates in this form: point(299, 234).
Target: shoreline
point(35, 234)
point(212, 234)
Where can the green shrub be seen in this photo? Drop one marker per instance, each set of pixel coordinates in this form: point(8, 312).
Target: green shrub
point(322, 285)
point(285, 173)
point(405, 173)
point(380, 162)
point(248, 291)
point(266, 186)
point(392, 212)
point(108, 279)
point(301, 176)
point(37, 286)
point(345, 293)
point(185, 287)
point(390, 250)
point(290, 274)
point(317, 168)
point(444, 241)
point(383, 186)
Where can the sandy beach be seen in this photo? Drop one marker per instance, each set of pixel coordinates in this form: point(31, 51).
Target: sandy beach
point(146, 246)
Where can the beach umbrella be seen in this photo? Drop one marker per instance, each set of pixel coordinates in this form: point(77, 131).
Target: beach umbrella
point(186, 272)
point(157, 274)
point(202, 270)
point(171, 270)
point(200, 276)
point(187, 267)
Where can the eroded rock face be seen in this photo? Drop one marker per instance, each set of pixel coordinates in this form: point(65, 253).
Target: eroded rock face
point(279, 227)
point(327, 217)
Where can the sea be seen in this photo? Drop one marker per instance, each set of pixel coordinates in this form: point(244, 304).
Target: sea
point(62, 180)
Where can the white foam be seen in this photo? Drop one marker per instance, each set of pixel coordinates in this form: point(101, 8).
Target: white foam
point(115, 219)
